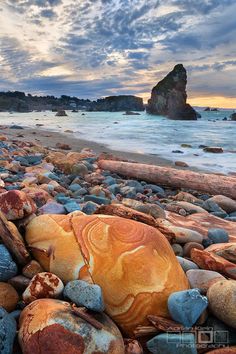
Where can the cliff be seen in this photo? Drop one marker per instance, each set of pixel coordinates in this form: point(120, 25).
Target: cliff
point(168, 97)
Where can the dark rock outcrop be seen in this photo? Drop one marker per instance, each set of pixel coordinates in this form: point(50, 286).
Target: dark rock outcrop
point(61, 113)
point(233, 116)
point(169, 96)
point(117, 104)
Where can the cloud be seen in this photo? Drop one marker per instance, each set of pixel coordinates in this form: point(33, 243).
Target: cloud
point(116, 45)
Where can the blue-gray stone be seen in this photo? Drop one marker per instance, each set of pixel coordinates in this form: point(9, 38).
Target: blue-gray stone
point(74, 187)
point(53, 176)
point(81, 191)
point(172, 343)
point(33, 159)
point(187, 306)
point(156, 189)
point(97, 200)
point(89, 208)
point(218, 235)
point(8, 267)
point(72, 206)
point(206, 242)
point(84, 294)
point(219, 214)
point(211, 206)
point(231, 218)
point(114, 188)
point(15, 126)
point(233, 214)
point(13, 187)
point(7, 332)
point(137, 185)
point(128, 192)
point(186, 264)
point(109, 180)
point(62, 199)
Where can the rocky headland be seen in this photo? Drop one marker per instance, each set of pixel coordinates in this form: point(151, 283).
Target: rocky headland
point(103, 255)
point(168, 97)
point(118, 104)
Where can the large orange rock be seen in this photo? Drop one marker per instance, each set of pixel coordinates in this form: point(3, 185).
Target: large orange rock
point(132, 262)
point(52, 327)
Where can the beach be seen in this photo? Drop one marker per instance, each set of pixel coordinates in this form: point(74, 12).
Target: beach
point(92, 226)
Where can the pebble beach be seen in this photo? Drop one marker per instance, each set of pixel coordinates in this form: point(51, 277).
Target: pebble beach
point(95, 262)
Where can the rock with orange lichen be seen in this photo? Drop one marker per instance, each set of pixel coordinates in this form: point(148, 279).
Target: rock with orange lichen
point(210, 261)
point(65, 162)
point(53, 326)
point(137, 275)
point(16, 205)
point(38, 195)
point(43, 285)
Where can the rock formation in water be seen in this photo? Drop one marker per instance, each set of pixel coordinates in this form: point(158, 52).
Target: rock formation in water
point(118, 103)
point(168, 97)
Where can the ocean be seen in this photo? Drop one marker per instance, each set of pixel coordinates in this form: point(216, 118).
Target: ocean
point(147, 134)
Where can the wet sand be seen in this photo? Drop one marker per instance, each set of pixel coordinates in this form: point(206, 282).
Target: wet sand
point(49, 139)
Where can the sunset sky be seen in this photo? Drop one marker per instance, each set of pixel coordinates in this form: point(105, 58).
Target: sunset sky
point(97, 48)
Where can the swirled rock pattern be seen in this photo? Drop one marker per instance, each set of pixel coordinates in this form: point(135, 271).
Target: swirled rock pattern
point(132, 262)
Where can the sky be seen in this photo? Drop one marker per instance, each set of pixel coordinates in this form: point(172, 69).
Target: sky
point(96, 48)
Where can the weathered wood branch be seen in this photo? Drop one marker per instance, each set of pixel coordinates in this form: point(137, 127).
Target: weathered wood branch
point(167, 176)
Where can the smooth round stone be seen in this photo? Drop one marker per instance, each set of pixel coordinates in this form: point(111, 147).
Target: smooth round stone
point(8, 267)
point(222, 301)
point(172, 343)
point(43, 285)
point(8, 297)
point(7, 332)
point(190, 245)
point(178, 249)
point(187, 306)
point(85, 294)
point(203, 279)
point(152, 209)
point(186, 264)
point(218, 235)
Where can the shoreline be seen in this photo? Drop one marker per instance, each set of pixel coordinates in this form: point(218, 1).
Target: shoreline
point(49, 139)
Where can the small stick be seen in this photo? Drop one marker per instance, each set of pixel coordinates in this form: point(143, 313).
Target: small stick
point(85, 316)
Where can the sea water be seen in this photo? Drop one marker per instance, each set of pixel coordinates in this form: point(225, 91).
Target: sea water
point(147, 134)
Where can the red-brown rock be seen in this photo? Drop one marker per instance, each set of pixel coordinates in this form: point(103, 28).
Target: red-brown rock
point(16, 205)
point(210, 261)
point(43, 285)
point(39, 195)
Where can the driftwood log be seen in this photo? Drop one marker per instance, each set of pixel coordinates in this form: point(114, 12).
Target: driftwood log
point(167, 176)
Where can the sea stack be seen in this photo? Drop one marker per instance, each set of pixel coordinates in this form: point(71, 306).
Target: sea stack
point(168, 97)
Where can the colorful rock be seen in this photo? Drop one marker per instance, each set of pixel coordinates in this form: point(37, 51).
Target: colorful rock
point(16, 205)
point(43, 285)
point(203, 279)
point(52, 326)
point(210, 261)
point(221, 296)
point(172, 343)
point(137, 275)
point(8, 297)
point(39, 195)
